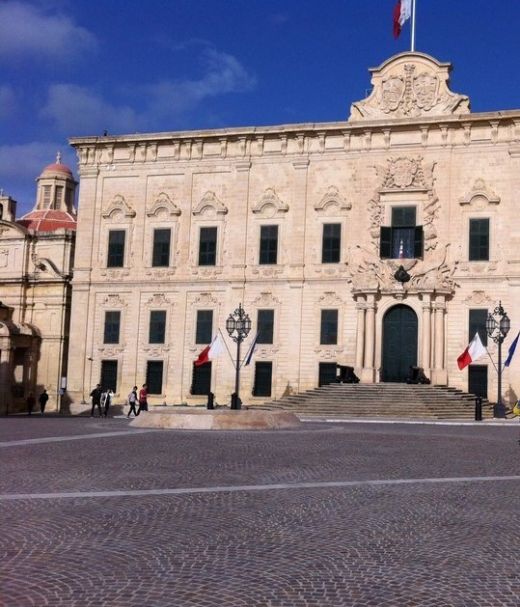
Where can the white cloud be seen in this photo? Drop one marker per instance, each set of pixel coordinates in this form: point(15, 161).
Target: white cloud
point(7, 101)
point(77, 110)
point(29, 30)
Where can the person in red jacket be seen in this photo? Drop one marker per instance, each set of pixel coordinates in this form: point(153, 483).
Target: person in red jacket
point(143, 399)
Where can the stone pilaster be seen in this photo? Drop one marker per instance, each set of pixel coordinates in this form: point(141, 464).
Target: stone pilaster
point(368, 372)
point(439, 373)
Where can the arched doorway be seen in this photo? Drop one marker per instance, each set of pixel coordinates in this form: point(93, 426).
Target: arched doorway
point(399, 343)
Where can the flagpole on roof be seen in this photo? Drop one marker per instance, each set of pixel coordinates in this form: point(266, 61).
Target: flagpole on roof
point(413, 27)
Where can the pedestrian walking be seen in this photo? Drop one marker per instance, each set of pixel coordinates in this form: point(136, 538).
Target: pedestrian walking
point(132, 401)
point(95, 395)
point(106, 400)
point(43, 398)
point(143, 399)
point(31, 401)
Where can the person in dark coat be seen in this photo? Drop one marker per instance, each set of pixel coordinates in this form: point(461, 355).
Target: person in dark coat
point(43, 398)
point(96, 400)
point(132, 401)
point(31, 401)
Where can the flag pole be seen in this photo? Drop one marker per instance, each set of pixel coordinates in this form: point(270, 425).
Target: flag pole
point(230, 357)
point(413, 27)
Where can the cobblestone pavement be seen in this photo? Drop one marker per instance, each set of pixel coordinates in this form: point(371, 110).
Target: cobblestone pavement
point(302, 543)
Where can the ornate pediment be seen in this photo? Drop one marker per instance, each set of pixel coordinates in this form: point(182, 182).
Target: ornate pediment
point(163, 204)
point(118, 206)
point(270, 200)
point(332, 200)
point(480, 192)
point(210, 204)
point(266, 300)
point(45, 265)
point(409, 85)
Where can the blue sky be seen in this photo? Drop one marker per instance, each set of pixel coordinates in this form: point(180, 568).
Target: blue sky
point(77, 67)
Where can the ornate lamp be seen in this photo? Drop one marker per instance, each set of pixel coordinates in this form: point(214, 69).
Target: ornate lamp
point(498, 325)
point(238, 326)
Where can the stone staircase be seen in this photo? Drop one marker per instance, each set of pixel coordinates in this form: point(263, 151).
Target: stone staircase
point(388, 400)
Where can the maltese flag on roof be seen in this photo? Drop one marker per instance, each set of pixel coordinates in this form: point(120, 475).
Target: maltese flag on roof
point(402, 12)
point(473, 352)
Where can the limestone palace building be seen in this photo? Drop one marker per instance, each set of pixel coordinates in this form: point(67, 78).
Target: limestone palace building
point(307, 226)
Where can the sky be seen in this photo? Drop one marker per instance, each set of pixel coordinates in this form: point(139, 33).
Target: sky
point(78, 67)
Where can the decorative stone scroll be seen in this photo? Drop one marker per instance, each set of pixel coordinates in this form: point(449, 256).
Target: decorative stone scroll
point(163, 203)
point(118, 206)
point(480, 191)
point(270, 199)
point(409, 85)
point(210, 202)
point(332, 199)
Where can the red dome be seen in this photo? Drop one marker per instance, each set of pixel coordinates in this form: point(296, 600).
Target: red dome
point(57, 168)
point(48, 220)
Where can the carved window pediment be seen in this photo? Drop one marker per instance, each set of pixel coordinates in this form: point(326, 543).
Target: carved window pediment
point(332, 198)
point(210, 203)
point(480, 191)
point(163, 203)
point(270, 199)
point(118, 206)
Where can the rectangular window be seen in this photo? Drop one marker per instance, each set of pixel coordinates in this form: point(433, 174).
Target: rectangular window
point(154, 376)
point(208, 247)
point(263, 379)
point(403, 217)
point(478, 380)
point(329, 327)
point(479, 239)
point(161, 248)
point(109, 374)
point(204, 331)
point(404, 239)
point(58, 198)
point(331, 243)
point(477, 323)
point(116, 249)
point(46, 196)
point(265, 324)
point(201, 379)
point(112, 325)
point(157, 326)
point(268, 244)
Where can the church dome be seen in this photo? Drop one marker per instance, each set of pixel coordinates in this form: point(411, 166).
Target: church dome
point(48, 220)
point(57, 168)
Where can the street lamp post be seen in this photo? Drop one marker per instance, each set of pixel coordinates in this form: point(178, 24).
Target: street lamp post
point(238, 326)
point(497, 327)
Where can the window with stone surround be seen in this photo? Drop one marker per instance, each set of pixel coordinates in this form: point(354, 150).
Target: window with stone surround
point(265, 326)
point(263, 379)
point(157, 331)
point(268, 245)
point(112, 327)
point(477, 323)
point(204, 331)
point(329, 327)
point(479, 239)
point(208, 246)
point(403, 239)
point(161, 247)
point(116, 249)
point(154, 376)
point(109, 375)
point(331, 243)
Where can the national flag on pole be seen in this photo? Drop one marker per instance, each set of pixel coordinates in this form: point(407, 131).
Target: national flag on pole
point(251, 351)
point(402, 12)
point(511, 352)
point(210, 352)
point(473, 352)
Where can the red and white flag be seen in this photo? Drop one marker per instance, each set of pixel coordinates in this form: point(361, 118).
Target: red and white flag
point(402, 12)
point(210, 352)
point(473, 352)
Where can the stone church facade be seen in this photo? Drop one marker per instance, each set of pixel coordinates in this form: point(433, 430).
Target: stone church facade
point(379, 242)
point(36, 256)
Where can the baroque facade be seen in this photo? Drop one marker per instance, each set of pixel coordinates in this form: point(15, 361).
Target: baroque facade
point(380, 242)
point(36, 255)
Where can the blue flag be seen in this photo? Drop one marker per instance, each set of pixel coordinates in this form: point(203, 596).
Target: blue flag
point(511, 352)
point(251, 350)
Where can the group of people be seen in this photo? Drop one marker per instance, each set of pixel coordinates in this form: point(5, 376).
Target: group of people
point(42, 400)
point(102, 399)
